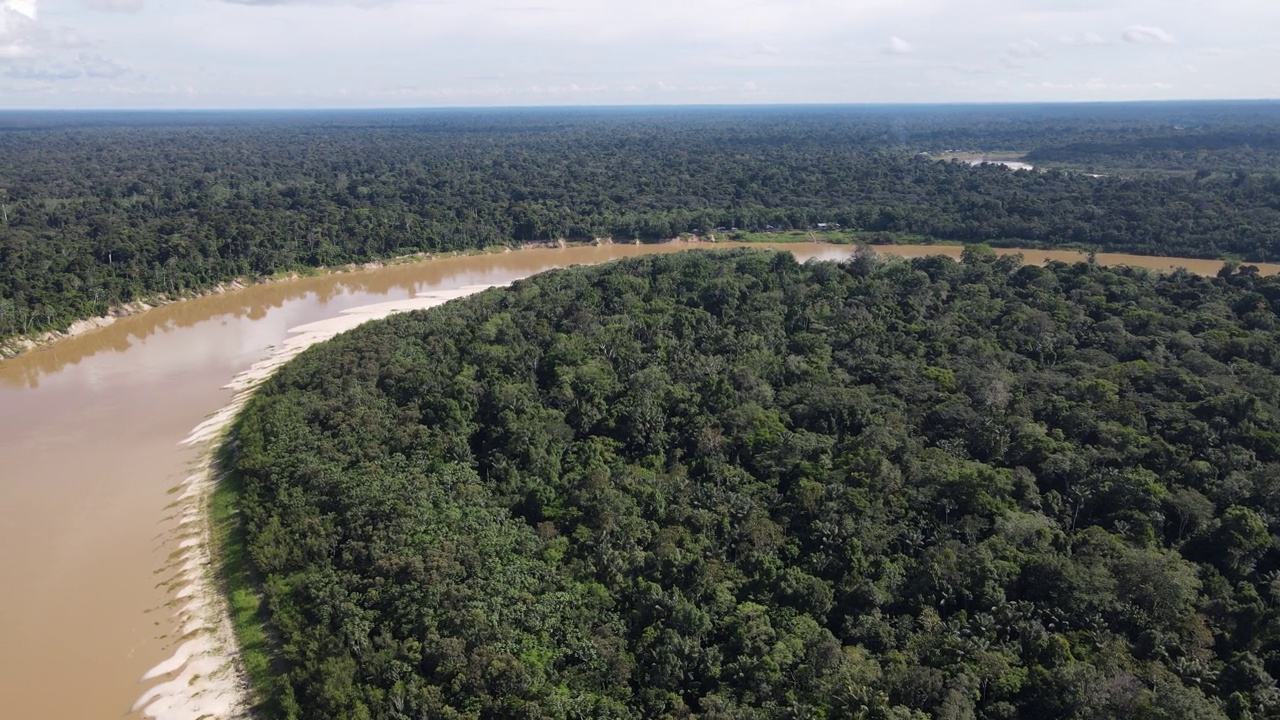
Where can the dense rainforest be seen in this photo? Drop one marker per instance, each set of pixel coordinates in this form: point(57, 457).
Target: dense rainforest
point(723, 484)
point(98, 209)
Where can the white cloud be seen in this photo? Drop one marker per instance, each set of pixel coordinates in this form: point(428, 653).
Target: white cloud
point(1100, 84)
point(97, 66)
point(1085, 39)
point(968, 69)
point(265, 53)
point(34, 52)
point(39, 73)
point(115, 6)
point(25, 8)
point(898, 46)
point(1147, 35)
point(1015, 56)
point(84, 65)
point(1024, 49)
point(19, 31)
point(356, 3)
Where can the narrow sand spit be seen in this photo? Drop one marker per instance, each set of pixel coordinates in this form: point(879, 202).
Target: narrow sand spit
point(202, 681)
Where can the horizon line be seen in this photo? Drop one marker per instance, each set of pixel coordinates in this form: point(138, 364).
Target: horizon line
point(651, 106)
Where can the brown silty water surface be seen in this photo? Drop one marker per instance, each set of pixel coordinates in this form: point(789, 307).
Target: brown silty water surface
point(90, 433)
point(1150, 262)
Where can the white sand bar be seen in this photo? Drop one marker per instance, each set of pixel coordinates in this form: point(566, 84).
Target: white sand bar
point(202, 680)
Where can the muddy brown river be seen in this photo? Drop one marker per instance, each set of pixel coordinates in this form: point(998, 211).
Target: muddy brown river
point(90, 455)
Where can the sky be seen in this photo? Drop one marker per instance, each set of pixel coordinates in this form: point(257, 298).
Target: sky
point(435, 53)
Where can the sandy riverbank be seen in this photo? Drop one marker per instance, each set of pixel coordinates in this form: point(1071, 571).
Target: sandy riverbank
point(94, 465)
point(16, 346)
point(92, 445)
point(1011, 160)
point(201, 680)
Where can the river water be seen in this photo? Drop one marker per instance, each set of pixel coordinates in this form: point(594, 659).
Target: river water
point(90, 456)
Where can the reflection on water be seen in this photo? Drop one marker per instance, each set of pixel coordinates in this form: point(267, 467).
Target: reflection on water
point(89, 433)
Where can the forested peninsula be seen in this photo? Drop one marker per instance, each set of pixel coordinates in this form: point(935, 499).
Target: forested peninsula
point(102, 209)
point(728, 485)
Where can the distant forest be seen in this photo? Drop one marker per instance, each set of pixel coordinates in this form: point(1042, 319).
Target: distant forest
point(99, 209)
point(729, 486)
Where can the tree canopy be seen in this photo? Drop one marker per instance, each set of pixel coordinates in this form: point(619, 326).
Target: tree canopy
point(728, 485)
point(102, 209)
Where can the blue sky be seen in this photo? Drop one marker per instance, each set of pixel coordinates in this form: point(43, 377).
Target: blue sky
point(424, 53)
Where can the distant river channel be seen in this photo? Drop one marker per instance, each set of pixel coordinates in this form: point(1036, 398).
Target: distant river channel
point(90, 454)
